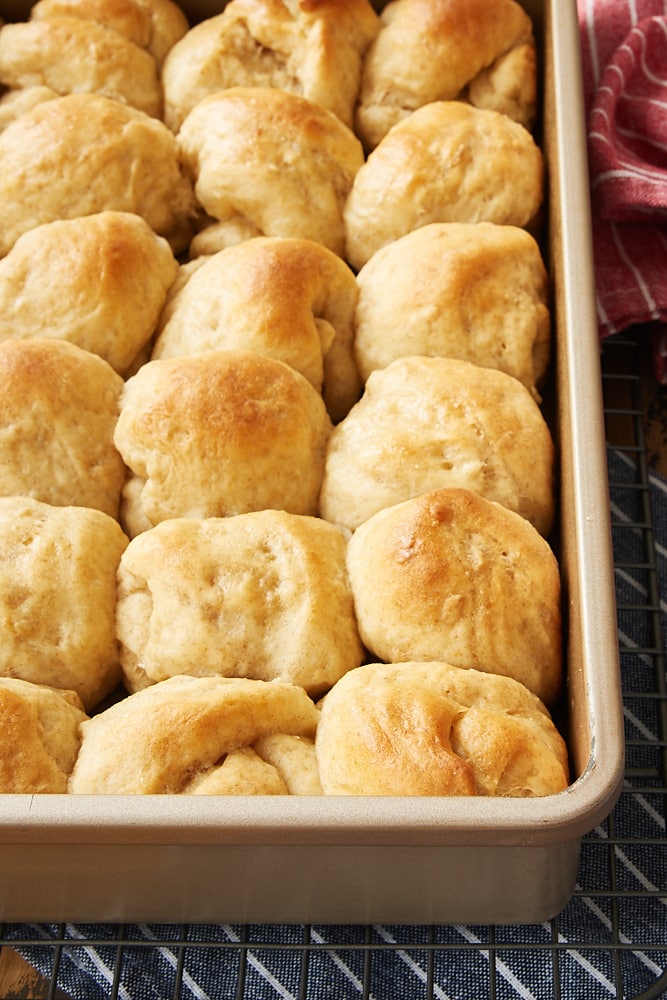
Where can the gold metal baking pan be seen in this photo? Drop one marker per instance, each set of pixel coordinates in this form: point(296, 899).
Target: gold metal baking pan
point(393, 860)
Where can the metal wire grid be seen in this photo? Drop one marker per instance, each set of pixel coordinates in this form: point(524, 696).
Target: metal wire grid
point(612, 936)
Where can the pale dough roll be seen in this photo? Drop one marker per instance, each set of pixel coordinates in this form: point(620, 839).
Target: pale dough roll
point(167, 738)
point(59, 448)
point(215, 236)
point(155, 25)
point(294, 757)
point(430, 728)
point(185, 271)
point(242, 772)
point(15, 103)
point(102, 280)
point(437, 50)
point(271, 159)
point(445, 162)
point(68, 55)
point(263, 595)
point(452, 576)
point(509, 85)
point(40, 737)
point(426, 423)
point(86, 153)
point(220, 433)
point(472, 291)
point(58, 596)
point(314, 50)
point(290, 299)
point(275, 765)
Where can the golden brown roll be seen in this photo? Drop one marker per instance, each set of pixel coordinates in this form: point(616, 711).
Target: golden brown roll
point(68, 55)
point(59, 448)
point(430, 728)
point(314, 50)
point(445, 162)
point(425, 423)
point(102, 281)
point(263, 595)
point(482, 51)
point(58, 596)
point(177, 736)
point(452, 576)
point(219, 433)
point(40, 737)
point(287, 298)
point(272, 160)
point(473, 291)
point(86, 153)
point(155, 25)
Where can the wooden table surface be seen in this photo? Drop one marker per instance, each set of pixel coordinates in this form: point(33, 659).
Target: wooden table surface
point(19, 981)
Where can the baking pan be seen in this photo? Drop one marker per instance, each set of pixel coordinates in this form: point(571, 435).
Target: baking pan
point(406, 860)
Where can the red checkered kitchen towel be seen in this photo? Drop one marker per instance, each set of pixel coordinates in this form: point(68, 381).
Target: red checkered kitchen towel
point(624, 55)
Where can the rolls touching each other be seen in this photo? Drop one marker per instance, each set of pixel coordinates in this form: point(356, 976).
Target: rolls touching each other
point(479, 51)
point(288, 298)
point(180, 736)
point(84, 153)
point(314, 50)
point(276, 480)
point(271, 162)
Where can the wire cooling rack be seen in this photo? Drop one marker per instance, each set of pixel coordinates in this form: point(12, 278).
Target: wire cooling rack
point(611, 939)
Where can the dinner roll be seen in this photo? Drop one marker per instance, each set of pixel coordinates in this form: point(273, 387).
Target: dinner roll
point(174, 737)
point(272, 159)
point(482, 51)
point(211, 237)
point(102, 280)
point(445, 162)
point(473, 291)
point(58, 596)
point(70, 55)
point(425, 423)
point(430, 728)
point(290, 768)
point(86, 153)
point(452, 576)
point(155, 25)
point(40, 737)
point(311, 49)
point(219, 433)
point(287, 298)
point(59, 448)
point(262, 595)
point(293, 757)
point(14, 103)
